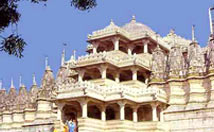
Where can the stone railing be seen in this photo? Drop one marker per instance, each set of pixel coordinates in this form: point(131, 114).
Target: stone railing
point(113, 57)
point(107, 93)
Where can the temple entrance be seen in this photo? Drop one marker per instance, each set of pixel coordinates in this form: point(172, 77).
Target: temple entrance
point(71, 111)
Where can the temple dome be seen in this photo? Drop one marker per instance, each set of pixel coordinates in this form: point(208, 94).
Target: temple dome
point(136, 27)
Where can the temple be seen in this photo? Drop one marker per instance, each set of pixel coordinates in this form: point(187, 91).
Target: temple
point(131, 79)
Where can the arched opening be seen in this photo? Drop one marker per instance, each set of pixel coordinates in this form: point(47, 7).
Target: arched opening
point(140, 76)
point(144, 113)
point(128, 113)
point(112, 112)
point(100, 48)
point(92, 73)
point(71, 111)
point(137, 50)
point(93, 111)
point(109, 74)
point(123, 49)
point(125, 75)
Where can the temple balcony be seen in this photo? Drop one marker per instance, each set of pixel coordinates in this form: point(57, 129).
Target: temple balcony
point(115, 58)
point(134, 84)
point(103, 82)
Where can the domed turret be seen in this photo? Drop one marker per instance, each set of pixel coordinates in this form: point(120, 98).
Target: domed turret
point(134, 27)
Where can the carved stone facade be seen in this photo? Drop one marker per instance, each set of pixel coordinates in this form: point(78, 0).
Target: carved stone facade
point(132, 79)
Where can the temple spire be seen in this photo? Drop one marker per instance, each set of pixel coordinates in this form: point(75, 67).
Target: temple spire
point(74, 54)
point(11, 84)
point(133, 18)
point(34, 79)
point(20, 80)
point(63, 57)
point(211, 9)
point(46, 62)
point(193, 33)
point(1, 86)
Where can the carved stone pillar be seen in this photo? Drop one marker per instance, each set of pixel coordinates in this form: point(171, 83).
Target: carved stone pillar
point(81, 73)
point(103, 70)
point(84, 106)
point(116, 43)
point(135, 117)
point(122, 110)
point(134, 73)
point(130, 49)
point(117, 77)
point(95, 46)
point(103, 113)
point(145, 47)
point(154, 112)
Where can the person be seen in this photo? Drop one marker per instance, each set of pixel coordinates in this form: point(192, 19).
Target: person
point(71, 125)
point(65, 128)
point(75, 124)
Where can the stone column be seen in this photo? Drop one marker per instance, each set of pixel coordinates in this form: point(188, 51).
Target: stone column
point(130, 49)
point(134, 73)
point(117, 77)
point(95, 45)
point(135, 118)
point(103, 113)
point(154, 112)
point(116, 43)
point(81, 73)
point(84, 106)
point(122, 110)
point(145, 47)
point(103, 70)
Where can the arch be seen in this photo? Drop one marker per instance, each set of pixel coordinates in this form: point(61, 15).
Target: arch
point(144, 113)
point(128, 113)
point(71, 111)
point(140, 76)
point(92, 73)
point(125, 75)
point(112, 112)
point(93, 111)
point(138, 49)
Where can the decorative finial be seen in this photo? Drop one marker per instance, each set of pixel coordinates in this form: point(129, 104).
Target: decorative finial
point(172, 31)
point(133, 18)
point(46, 62)
point(63, 55)
point(211, 9)
point(11, 84)
point(74, 54)
point(112, 22)
point(1, 87)
point(34, 79)
point(20, 81)
point(193, 33)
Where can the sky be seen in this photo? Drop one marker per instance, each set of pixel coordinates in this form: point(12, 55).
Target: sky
point(46, 28)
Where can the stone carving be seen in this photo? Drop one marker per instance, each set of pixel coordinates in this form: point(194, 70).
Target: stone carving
point(196, 59)
point(48, 83)
point(158, 63)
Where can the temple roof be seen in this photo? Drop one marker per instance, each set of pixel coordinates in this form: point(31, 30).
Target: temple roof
point(134, 27)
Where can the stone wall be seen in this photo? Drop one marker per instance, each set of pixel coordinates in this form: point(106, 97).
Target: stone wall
point(201, 120)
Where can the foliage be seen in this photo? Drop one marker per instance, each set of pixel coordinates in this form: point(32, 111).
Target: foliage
point(9, 15)
point(13, 45)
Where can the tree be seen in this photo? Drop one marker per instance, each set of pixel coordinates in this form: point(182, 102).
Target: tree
point(9, 16)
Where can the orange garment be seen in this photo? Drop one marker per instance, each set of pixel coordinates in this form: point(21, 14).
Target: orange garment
point(65, 128)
